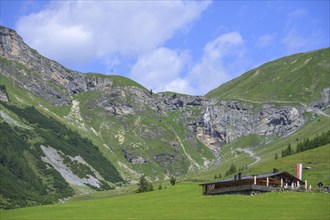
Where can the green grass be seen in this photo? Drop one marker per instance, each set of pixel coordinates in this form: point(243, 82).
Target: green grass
point(184, 201)
point(118, 80)
point(297, 78)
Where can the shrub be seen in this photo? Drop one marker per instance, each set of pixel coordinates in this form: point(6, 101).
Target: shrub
point(173, 180)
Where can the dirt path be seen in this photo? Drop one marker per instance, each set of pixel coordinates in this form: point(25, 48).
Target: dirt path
point(250, 153)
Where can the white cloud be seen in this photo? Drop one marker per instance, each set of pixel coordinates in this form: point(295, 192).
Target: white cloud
point(117, 31)
point(160, 70)
point(265, 40)
point(78, 31)
point(179, 85)
point(297, 39)
point(167, 70)
point(294, 42)
point(211, 72)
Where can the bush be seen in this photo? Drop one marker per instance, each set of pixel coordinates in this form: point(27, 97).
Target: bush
point(173, 180)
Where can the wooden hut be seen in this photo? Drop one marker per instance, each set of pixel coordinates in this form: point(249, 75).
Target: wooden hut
point(256, 183)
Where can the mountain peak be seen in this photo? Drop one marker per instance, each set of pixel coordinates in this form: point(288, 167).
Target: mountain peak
point(12, 45)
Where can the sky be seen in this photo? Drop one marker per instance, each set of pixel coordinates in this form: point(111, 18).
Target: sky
point(186, 47)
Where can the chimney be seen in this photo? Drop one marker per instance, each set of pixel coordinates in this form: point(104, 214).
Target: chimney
point(240, 175)
point(275, 170)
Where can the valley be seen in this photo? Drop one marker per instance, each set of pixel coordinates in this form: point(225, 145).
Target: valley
point(66, 134)
point(175, 202)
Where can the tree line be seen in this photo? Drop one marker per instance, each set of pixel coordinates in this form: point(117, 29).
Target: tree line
point(146, 186)
point(307, 144)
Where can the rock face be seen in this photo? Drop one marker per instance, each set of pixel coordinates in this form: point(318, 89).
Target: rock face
point(41, 76)
point(221, 121)
point(164, 159)
point(134, 159)
point(55, 159)
point(229, 120)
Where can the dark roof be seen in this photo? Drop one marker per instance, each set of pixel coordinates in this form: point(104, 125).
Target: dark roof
point(252, 176)
point(259, 176)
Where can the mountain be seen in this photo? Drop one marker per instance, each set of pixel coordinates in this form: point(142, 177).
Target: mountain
point(64, 132)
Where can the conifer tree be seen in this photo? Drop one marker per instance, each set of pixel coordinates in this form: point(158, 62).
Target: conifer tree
point(144, 185)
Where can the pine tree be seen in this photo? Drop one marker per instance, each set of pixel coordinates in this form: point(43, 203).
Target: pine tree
point(144, 185)
point(232, 169)
point(289, 149)
point(276, 156)
point(299, 147)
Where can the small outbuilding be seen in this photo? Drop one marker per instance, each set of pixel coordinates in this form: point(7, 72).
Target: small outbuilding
point(275, 181)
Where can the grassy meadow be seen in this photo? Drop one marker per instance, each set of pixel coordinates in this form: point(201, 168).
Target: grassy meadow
point(184, 201)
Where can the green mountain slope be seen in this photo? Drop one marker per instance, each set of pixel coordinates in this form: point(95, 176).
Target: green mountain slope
point(297, 78)
point(165, 203)
point(26, 177)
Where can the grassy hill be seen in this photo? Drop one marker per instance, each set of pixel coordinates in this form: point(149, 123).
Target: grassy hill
point(117, 80)
point(184, 200)
point(298, 78)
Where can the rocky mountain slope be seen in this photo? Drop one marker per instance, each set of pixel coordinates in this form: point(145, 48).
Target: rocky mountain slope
point(69, 120)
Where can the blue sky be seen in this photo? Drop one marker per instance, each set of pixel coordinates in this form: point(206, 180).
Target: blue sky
point(187, 47)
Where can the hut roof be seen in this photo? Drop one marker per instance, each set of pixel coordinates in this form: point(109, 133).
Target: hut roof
point(259, 176)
